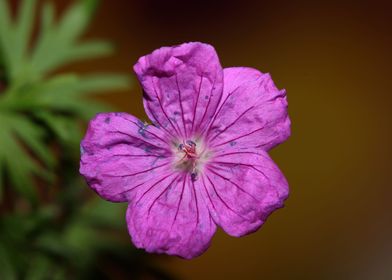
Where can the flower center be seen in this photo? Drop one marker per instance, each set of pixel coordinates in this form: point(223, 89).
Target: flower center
point(190, 156)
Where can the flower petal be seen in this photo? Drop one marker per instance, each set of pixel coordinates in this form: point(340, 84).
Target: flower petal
point(183, 86)
point(171, 217)
point(119, 154)
point(252, 113)
point(243, 189)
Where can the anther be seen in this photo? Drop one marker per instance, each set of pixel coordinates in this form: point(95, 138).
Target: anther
point(191, 143)
point(189, 157)
point(194, 176)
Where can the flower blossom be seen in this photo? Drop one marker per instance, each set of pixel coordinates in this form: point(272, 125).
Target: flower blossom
point(203, 161)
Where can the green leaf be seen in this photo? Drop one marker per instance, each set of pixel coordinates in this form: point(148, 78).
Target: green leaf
point(34, 107)
point(32, 136)
point(88, 50)
point(24, 25)
point(20, 166)
point(59, 274)
point(90, 6)
point(45, 42)
point(47, 17)
point(57, 45)
point(6, 30)
point(39, 267)
point(83, 108)
point(5, 16)
point(2, 171)
point(53, 243)
point(7, 271)
point(73, 23)
point(65, 128)
point(102, 213)
point(14, 38)
point(22, 33)
point(101, 83)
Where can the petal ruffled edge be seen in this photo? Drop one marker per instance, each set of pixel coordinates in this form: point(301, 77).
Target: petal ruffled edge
point(252, 112)
point(182, 87)
point(243, 188)
point(171, 218)
point(119, 154)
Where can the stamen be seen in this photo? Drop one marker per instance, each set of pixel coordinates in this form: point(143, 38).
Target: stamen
point(190, 143)
point(194, 176)
point(189, 148)
point(191, 157)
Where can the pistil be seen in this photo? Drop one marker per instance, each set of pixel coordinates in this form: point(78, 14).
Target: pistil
point(189, 158)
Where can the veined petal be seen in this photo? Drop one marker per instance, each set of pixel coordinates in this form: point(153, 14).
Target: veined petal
point(183, 86)
point(120, 154)
point(252, 113)
point(171, 217)
point(243, 188)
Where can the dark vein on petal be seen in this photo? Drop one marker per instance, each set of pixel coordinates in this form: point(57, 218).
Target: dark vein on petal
point(254, 153)
point(159, 196)
point(197, 204)
point(149, 189)
point(243, 164)
point(119, 142)
point(181, 107)
point(208, 104)
point(230, 125)
point(212, 222)
point(131, 189)
point(258, 170)
point(236, 153)
point(220, 198)
point(197, 102)
point(208, 194)
point(239, 137)
point(268, 143)
point(218, 111)
point(157, 120)
point(153, 134)
point(228, 180)
point(180, 200)
point(140, 139)
point(163, 111)
point(132, 155)
point(261, 172)
point(140, 172)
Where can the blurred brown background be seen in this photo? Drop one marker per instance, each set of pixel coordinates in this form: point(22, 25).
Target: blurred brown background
point(334, 58)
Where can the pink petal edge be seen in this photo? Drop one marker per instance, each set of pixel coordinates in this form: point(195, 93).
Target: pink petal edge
point(171, 217)
point(119, 154)
point(243, 188)
point(183, 86)
point(252, 113)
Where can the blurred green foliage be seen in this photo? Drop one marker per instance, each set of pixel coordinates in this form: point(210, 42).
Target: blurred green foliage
point(49, 227)
point(35, 104)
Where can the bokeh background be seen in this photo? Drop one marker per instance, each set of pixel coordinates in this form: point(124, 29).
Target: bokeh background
point(334, 59)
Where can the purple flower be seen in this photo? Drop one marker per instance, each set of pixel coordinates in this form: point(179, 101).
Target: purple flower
point(203, 162)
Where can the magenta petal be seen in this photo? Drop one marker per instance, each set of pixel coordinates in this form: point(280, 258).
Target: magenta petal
point(119, 154)
point(171, 217)
point(243, 188)
point(203, 163)
point(183, 86)
point(252, 113)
